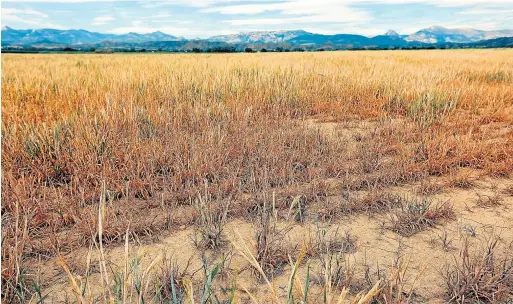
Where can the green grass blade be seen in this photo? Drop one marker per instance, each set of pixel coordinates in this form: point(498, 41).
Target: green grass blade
point(173, 289)
point(307, 282)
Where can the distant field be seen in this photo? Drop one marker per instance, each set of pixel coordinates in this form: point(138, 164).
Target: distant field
point(280, 176)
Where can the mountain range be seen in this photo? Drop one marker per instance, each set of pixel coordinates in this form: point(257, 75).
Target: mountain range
point(71, 37)
point(81, 39)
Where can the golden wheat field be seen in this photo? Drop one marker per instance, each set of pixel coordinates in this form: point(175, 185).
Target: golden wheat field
point(328, 177)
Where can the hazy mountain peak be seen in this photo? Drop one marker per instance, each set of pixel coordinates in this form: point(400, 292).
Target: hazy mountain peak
point(440, 34)
point(260, 36)
point(392, 33)
point(436, 28)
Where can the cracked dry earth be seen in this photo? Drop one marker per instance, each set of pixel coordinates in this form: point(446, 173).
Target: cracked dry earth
point(482, 211)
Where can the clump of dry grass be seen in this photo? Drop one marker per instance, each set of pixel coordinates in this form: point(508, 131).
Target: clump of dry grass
point(396, 288)
point(297, 209)
point(332, 241)
point(377, 201)
point(445, 240)
point(373, 202)
point(429, 188)
point(508, 190)
point(271, 252)
point(210, 222)
point(16, 285)
point(170, 281)
point(462, 181)
point(419, 214)
point(332, 249)
point(479, 278)
point(488, 201)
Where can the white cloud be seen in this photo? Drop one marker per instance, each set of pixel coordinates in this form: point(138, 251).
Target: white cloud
point(439, 3)
point(102, 20)
point(456, 24)
point(207, 3)
point(357, 17)
point(26, 16)
point(197, 3)
point(294, 5)
point(243, 9)
point(6, 12)
point(145, 3)
point(86, 1)
point(486, 26)
point(299, 11)
point(288, 12)
point(450, 3)
point(485, 11)
point(162, 15)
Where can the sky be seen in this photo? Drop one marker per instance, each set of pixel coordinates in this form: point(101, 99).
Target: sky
point(206, 18)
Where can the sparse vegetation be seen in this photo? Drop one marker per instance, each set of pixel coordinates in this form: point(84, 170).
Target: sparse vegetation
point(460, 181)
point(210, 222)
point(477, 277)
point(508, 191)
point(486, 201)
point(427, 188)
point(419, 214)
point(103, 154)
point(271, 251)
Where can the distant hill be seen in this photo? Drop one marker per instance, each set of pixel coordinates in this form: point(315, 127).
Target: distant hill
point(503, 42)
point(177, 45)
point(438, 34)
point(348, 40)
